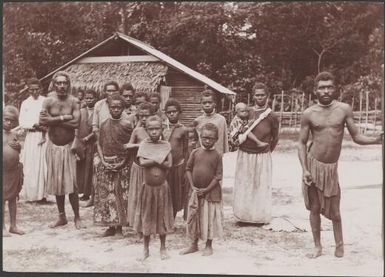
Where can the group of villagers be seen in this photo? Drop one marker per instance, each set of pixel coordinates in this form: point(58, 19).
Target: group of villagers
point(137, 166)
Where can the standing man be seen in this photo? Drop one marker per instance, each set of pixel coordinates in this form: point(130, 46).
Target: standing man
point(61, 114)
point(254, 170)
point(33, 152)
point(325, 121)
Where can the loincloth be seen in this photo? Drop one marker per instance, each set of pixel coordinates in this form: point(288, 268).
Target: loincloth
point(325, 180)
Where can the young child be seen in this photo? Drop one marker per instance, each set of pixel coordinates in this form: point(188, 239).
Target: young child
point(155, 100)
point(210, 116)
point(204, 172)
point(12, 168)
point(239, 125)
point(177, 134)
point(112, 178)
point(84, 166)
point(139, 134)
point(154, 213)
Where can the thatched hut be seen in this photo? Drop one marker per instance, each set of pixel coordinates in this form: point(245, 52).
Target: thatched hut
point(124, 59)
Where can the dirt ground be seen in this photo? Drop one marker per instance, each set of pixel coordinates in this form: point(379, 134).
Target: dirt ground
point(279, 248)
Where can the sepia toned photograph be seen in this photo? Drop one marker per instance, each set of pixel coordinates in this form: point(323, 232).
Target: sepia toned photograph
point(227, 138)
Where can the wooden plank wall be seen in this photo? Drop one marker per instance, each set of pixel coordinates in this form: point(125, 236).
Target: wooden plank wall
point(187, 91)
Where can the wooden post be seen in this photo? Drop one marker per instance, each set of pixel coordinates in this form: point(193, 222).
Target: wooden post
point(280, 116)
point(359, 118)
point(367, 110)
point(308, 103)
point(273, 104)
point(302, 101)
point(375, 115)
point(291, 109)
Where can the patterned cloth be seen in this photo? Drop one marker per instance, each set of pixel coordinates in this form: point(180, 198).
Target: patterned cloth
point(61, 169)
point(325, 179)
point(111, 188)
point(237, 126)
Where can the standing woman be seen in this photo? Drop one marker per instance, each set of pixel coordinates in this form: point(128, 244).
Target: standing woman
point(253, 175)
point(113, 174)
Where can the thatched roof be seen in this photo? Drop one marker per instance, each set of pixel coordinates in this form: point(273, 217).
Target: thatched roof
point(143, 76)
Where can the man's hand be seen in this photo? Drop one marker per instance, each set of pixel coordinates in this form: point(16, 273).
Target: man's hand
point(306, 178)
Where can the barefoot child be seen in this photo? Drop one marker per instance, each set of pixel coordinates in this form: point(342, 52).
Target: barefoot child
point(154, 210)
point(12, 168)
point(136, 177)
point(239, 125)
point(177, 134)
point(204, 171)
point(112, 178)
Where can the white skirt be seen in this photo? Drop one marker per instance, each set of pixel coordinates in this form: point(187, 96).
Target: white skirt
point(32, 157)
point(252, 187)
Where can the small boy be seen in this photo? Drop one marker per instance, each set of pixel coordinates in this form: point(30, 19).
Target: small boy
point(177, 134)
point(12, 168)
point(239, 125)
point(84, 166)
point(210, 116)
point(204, 172)
point(154, 215)
point(155, 100)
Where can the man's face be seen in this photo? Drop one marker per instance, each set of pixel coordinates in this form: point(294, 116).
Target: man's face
point(90, 100)
point(325, 92)
point(208, 104)
point(155, 103)
point(128, 96)
point(143, 115)
point(116, 108)
point(111, 90)
point(61, 86)
point(34, 90)
point(260, 97)
point(208, 138)
point(154, 130)
point(172, 114)
point(9, 122)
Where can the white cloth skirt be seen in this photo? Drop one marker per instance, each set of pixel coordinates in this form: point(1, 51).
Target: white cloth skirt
point(252, 187)
point(32, 157)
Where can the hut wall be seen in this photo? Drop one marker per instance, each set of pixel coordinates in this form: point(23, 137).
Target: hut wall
point(187, 91)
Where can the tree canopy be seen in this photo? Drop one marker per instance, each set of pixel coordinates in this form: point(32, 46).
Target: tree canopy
point(282, 44)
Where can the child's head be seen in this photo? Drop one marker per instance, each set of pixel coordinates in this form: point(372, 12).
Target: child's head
point(208, 101)
point(128, 93)
point(209, 135)
point(145, 110)
point(173, 110)
point(242, 110)
point(80, 94)
point(155, 100)
point(10, 117)
point(115, 105)
point(140, 97)
point(90, 97)
point(154, 127)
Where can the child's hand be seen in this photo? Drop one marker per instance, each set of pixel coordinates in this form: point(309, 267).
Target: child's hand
point(14, 144)
point(201, 191)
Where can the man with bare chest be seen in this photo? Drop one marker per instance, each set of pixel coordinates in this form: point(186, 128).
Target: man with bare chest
point(325, 121)
point(61, 114)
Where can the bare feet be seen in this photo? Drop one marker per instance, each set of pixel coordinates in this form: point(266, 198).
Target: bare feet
point(109, 232)
point(163, 254)
point(5, 232)
point(146, 254)
point(60, 222)
point(208, 251)
point(79, 224)
point(15, 230)
point(43, 201)
point(193, 248)
point(317, 252)
point(339, 252)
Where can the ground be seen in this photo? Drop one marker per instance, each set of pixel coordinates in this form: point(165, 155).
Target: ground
point(279, 248)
